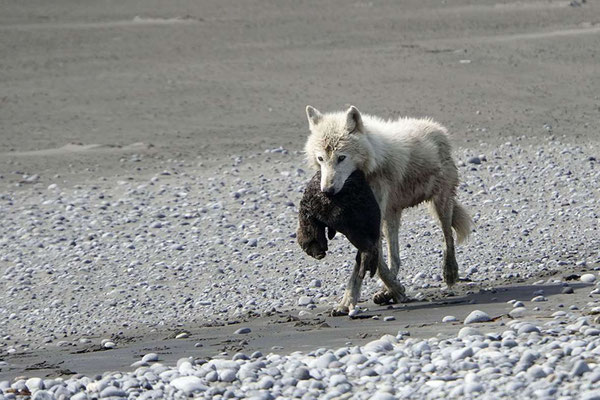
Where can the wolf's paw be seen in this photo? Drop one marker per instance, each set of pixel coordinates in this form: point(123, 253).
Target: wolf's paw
point(386, 296)
point(340, 311)
point(382, 297)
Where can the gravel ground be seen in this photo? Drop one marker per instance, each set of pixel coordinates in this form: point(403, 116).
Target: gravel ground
point(82, 264)
point(85, 260)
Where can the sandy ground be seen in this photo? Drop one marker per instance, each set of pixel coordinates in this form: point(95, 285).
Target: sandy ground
point(86, 87)
point(283, 333)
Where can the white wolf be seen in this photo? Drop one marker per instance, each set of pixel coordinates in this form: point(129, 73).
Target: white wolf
point(406, 161)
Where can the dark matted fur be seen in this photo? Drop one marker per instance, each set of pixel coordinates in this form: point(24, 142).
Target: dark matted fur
point(353, 211)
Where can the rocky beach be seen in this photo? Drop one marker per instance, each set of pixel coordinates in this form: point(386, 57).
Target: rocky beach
point(151, 170)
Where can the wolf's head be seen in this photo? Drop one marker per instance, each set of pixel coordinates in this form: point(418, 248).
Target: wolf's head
point(337, 146)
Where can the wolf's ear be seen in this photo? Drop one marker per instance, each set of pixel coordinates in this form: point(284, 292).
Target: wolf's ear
point(314, 116)
point(353, 120)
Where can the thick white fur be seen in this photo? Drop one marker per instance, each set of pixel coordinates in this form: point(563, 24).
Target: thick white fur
point(407, 161)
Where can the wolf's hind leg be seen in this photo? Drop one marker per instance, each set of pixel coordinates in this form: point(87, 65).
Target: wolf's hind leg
point(444, 206)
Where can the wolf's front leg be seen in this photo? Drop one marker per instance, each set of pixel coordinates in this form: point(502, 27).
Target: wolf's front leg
point(352, 293)
point(393, 290)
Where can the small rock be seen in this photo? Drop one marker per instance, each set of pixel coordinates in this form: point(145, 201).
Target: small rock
point(449, 318)
point(188, 384)
point(580, 368)
point(528, 328)
point(266, 382)
point(43, 395)
point(477, 316)
point(536, 372)
point(34, 384)
point(301, 373)
point(150, 357)
point(468, 331)
point(382, 396)
point(518, 312)
point(588, 278)
point(243, 331)
point(304, 300)
point(112, 391)
point(460, 354)
point(378, 346)
point(227, 375)
point(591, 395)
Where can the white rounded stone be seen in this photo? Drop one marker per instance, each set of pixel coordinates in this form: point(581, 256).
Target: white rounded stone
point(588, 278)
point(477, 316)
point(188, 384)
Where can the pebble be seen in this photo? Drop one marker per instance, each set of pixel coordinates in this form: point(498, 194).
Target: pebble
point(538, 299)
point(305, 300)
point(382, 396)
point(449, 318)
point(378, 346)
point(227, 375)
point(592, 332)
point(150, 357)
point(536, 372)
point(301, 373)
point(266, 382)
point(243, 331)
point(528, 328)
point(580, 368)
point(468, 331)
point(518, 312)
point(459, 354)
point(112, 391)
point(477, 316)
point(34, 384)
point(43, 395)
point(588, 278)
point(189, 384)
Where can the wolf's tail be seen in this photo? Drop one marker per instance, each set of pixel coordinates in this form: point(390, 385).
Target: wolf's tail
point(461, 222)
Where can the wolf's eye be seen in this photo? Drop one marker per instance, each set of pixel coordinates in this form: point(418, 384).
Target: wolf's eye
point(341, 158)
point(320, 158)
